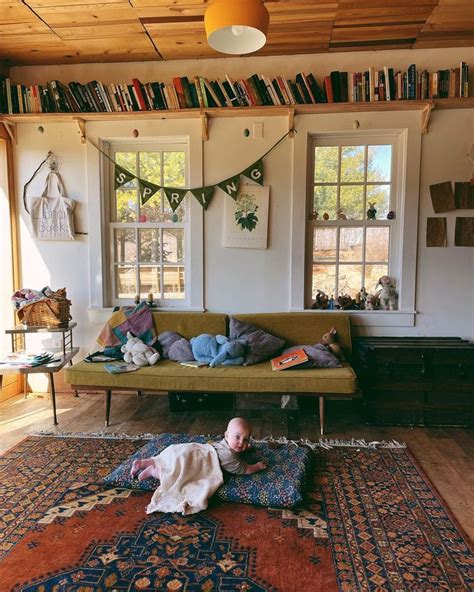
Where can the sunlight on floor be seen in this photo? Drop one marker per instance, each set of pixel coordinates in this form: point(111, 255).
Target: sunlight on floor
point(44, 413)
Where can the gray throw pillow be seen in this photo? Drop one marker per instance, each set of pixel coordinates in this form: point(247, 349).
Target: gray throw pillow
point(261, 345)
point(180, 351)
point(319, 356)
point(166, 340)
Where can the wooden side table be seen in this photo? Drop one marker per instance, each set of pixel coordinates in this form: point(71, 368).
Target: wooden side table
point(64, 356)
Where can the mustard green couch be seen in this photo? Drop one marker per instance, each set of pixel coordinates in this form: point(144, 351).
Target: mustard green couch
point(167, 376)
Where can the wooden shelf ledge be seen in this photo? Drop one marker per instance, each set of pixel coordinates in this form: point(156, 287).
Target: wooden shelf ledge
point(426, 107)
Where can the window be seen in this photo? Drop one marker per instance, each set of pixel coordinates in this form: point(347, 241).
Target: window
point(148, 244)
point(346, 250)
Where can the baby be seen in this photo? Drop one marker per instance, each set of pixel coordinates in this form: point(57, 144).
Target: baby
point(229, 449)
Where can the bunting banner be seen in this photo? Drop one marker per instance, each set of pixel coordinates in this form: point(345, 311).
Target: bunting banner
point(231, 186)
point(147, 190)
point(175, 196)
point(204, 195)
point(255, 172)
point(122, 176)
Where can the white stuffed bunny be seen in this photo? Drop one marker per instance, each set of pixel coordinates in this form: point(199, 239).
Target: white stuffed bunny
point(138, 353)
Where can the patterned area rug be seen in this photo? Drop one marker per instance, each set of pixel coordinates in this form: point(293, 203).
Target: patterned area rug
point(371, 521)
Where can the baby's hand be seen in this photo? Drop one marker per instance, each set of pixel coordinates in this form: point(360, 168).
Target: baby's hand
point(261, 466)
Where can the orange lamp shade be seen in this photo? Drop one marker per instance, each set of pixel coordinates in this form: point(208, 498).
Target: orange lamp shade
point(236, 26)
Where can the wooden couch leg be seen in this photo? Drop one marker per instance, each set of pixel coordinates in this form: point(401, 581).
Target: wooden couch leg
point(321, 415)
point(108, 399)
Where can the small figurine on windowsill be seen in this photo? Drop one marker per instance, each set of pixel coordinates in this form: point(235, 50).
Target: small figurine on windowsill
point(371, 212)
point(150, 302)
point(340, 214)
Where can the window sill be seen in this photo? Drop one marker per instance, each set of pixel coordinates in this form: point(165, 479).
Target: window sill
point(376, 318)
point(101, 315)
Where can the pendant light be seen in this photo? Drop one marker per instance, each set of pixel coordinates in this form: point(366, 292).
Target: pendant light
point(236, 26)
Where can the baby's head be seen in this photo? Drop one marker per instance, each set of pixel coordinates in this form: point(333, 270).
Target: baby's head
point(238, 434)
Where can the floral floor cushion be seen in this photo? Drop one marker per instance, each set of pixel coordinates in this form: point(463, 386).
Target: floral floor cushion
point(281, 484)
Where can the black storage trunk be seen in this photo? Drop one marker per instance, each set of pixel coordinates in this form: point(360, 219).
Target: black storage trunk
point(426, 381)
point(193, 401)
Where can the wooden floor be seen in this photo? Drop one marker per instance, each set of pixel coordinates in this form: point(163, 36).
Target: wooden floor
point(445, 454)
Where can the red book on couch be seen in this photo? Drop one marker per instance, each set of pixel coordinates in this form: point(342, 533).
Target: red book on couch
point(294, 358)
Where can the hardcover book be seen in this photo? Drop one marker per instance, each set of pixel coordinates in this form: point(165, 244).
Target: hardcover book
point(294, 358)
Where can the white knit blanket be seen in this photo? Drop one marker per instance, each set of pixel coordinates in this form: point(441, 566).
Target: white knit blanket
point(190, 475)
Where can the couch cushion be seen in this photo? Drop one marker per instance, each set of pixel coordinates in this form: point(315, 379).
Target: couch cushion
point(259, 378)
point(281, 484)
point(261, 345)
point(190, 324)
point(302, 327)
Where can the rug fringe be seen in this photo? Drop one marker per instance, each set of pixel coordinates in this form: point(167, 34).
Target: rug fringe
point(326, 443)
point(92, 435)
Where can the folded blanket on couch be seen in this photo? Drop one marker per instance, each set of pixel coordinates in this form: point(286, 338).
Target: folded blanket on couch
point(138, 320)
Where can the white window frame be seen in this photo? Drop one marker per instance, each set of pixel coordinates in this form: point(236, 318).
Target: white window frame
point(406, 126)
point(98, 187)
point(109, 205)
point(339, 140)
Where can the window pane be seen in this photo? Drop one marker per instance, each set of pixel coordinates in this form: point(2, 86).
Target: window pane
point(326, 162)
point(173, 169)
point(372, 275)
point(125, 282)
point(352, 163)
point(379, 163)
point(324, 279)
point(151, 211)
point(380, 194)
point(350, 244)
point(324, 244)
point(149, 245)
point(352, 202)
point(125, 245)
point(350, 279)
point(325, 201)
point(173, 245)
point(128, 160)
point(150, 166)
point(150, 281)
point(173, 282)
point(127, 205)
point(376, 244)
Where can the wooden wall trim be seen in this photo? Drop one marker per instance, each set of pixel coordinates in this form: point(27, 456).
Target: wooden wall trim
point(14, 226)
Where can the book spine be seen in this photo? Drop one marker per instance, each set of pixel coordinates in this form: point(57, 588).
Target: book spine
point(187, 92)
point(178, 85)
point(203, 91)
point(328, 89)
point(197, 84)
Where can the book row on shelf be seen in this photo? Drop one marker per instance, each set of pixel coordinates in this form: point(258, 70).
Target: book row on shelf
point(257, 90)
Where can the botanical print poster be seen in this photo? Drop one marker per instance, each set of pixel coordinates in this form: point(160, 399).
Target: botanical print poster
point(246, 218)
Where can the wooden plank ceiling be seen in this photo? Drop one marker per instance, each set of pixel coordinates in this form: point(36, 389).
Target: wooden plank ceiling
point(68, 31)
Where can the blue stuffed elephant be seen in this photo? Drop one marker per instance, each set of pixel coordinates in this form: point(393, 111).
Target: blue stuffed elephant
point(217, 350)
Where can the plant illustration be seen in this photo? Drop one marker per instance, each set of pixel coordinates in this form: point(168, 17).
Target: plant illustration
point(246, 212)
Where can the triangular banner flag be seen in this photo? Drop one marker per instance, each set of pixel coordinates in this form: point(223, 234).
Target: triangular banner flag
point(175, 196)
point(147, 190)
point(204, 195)
point(255, 172)
point(122, 176)
point(231, 186)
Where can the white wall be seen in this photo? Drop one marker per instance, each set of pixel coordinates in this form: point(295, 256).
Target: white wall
point(251, 280)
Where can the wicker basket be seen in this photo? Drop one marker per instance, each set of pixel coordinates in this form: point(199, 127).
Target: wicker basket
point(48, 313)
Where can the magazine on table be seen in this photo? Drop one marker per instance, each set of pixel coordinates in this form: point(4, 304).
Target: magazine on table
point(120, 367)
point(28, 359)
point(289, 360)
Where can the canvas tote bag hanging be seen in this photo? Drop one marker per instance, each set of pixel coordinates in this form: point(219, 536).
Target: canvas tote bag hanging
point(52, 214)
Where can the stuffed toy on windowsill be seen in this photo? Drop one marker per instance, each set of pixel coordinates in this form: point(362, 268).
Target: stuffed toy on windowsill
point(139, 353)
